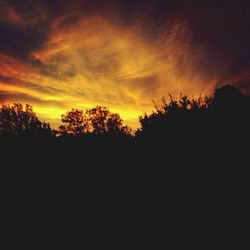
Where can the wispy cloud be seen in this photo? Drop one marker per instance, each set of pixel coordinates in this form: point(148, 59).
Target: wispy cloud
point(122, 54)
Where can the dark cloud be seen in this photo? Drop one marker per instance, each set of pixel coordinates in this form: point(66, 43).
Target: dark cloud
point(70, 20)
point(24, 28)
point(222, 25)
point(27, 34)
point(18, 41)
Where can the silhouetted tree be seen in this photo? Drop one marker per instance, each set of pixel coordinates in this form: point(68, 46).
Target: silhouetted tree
point(175, 117)
point(188, 124)
point(74, 122)
point(228, 97)
point(19, 120)
point(103, 121)
point(98, 120)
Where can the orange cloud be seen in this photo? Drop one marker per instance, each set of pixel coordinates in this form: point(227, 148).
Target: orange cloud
point(89, 61)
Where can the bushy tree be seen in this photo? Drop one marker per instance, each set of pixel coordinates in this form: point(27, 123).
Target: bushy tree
point(103, 121)
point(19, 120)
point(173, 114)
point(98, 120)
point(74, 122)
point(187, 123)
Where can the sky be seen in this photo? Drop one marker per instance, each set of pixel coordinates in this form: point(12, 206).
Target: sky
point(122, 54)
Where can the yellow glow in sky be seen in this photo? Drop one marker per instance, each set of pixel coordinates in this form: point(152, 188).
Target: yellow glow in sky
point(95, 62)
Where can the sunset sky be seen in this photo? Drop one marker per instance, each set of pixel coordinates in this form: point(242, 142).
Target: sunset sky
point(123, 54)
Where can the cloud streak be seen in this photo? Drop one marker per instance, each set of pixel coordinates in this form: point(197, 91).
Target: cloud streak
point(122, 54)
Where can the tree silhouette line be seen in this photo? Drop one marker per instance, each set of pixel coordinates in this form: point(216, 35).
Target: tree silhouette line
point(188, 151)
point(97, 121)
point(183, 124)
point(186, 146)
point(20, 120)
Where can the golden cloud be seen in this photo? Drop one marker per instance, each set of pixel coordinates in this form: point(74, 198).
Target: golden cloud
point(89, 61)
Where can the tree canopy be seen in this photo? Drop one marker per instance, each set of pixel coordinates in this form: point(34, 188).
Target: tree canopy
point(98, 120)
point(20, 120)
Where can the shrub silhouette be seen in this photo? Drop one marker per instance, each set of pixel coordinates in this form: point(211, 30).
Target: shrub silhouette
point(19, 120)
point(186, 124)
point(177, 116)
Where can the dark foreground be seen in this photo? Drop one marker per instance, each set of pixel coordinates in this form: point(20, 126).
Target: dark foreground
point(190, 181)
